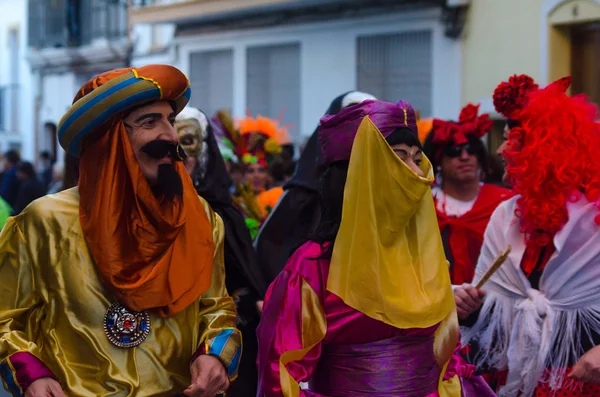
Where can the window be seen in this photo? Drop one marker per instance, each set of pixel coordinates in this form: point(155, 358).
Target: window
point(397, 67)
point(13, 88)
point(71, 23)
point(211, 77)
point(273, 84)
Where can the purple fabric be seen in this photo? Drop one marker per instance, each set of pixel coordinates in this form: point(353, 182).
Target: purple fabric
point(471, 386)
point(475, 387)
point(337, 132)
point(29, 368)
point(397, 367)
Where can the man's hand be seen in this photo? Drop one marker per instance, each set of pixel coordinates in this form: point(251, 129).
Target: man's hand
point(259, 306)
point(587, 368)
point(208, 377)
point(468, 299)
point(44, 387)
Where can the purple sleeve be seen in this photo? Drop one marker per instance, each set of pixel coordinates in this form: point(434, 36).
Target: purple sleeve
point(293, 326)
point(20, 370)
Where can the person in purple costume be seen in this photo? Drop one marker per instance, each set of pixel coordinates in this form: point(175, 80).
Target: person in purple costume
point(365, 307)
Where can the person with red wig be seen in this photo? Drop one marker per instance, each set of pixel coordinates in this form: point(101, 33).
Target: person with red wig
point(540, 318)
point(464, 203)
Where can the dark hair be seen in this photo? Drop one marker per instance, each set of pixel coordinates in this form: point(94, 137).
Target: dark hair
point(432, 149)
point(279, 168)
point(71, 174)
point(332, 187)
point(288, 150)
point(235, 167)
point(27, 169)
point(403, 135)
point(50, 126)
point(290, 169)
point(331, 198)
point(12, 156)
point(512, 123)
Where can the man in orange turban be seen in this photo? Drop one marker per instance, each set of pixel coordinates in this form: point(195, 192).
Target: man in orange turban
point(117, 287)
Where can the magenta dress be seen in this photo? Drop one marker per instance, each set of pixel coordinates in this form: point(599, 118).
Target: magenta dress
point(355, 355)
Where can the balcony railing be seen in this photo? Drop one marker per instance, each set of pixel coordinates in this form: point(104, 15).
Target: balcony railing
point(73, 23)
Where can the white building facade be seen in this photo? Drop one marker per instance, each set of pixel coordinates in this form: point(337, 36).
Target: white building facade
point(291, 63)
point(68, 43)
point(17, 126)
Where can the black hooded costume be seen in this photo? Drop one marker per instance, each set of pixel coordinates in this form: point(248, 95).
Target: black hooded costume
point(244, 281)
point(298, 211)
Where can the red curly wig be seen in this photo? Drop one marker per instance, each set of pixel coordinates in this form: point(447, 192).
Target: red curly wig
point(552, 159)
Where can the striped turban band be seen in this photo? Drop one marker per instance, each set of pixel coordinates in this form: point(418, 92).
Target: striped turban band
point(113, 93)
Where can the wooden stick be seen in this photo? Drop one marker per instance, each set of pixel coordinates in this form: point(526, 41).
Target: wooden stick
point(497, 263)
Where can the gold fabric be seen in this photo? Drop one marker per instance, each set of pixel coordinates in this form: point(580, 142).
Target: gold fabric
point(388, 261)
point(314, 328)
point(52, 304)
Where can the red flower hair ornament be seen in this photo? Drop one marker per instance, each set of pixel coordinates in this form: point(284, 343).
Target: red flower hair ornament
point(511, 96)
point(469, 124)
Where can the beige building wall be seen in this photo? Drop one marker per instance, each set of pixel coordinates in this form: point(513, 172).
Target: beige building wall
point(501, 38)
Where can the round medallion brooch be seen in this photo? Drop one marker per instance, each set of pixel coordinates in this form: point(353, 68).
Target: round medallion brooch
point(126, 328)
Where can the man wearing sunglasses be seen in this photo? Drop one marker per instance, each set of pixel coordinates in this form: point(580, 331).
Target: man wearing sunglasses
point(463, 203)
point(117, 287)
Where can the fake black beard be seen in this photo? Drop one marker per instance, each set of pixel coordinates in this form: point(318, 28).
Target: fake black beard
point(168, 182)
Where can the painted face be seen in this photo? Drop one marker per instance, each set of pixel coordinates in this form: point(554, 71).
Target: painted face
point(257, 176)
point(190, 136)
point(411, 155)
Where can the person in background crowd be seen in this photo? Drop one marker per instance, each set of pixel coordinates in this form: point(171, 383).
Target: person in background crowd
point(236, 172)
point(256, 142)
point(58, 174)
point(117, 287)
point(538, 327)
point(463, 202)
point(243, 277)
point(71, 175)
point(365, 307)
point(10, 182)
point(45, 169)
point(30, 187)
point(298, 211)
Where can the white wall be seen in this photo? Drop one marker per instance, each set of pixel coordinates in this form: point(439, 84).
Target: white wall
point(13, 14)
point(57, 93)
point(328, 59)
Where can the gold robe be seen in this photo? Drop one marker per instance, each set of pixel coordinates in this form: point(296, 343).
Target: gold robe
point(52, 305)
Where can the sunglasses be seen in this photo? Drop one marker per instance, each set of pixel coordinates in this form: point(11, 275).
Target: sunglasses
point(161, 149)
point(456, 150)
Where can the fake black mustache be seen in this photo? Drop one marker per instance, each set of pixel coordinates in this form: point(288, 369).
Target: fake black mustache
point(160, 149)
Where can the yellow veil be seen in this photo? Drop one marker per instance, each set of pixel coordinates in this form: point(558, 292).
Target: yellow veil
point(388, 261)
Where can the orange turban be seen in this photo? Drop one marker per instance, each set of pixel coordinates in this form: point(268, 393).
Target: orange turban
point(151, 253)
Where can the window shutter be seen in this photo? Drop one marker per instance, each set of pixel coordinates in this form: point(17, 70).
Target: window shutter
point(273, 84)
point(211, 77)
point(397, 67)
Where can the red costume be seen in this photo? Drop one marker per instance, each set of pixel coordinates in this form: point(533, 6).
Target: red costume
point(462, 234)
